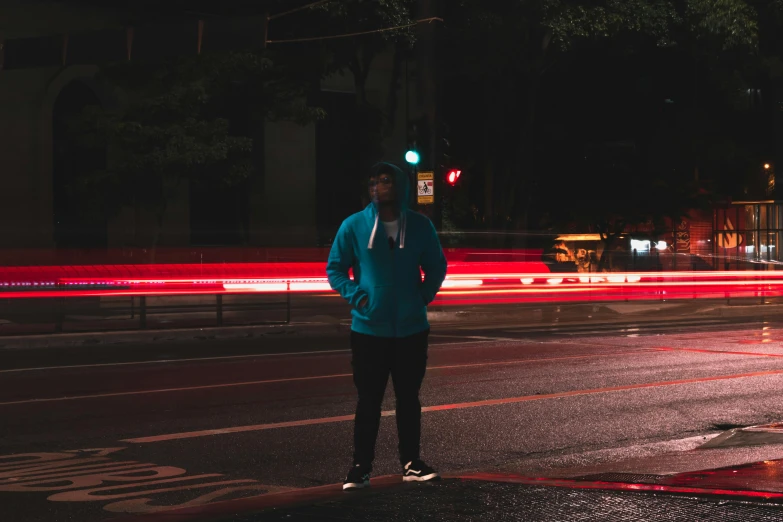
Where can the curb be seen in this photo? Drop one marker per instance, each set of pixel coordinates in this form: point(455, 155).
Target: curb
point(748, 436)
point(630, 487)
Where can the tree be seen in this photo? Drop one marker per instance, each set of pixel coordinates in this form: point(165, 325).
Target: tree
point(357, 54)
point(512, 54)
point(178, 119)
point(173, 126)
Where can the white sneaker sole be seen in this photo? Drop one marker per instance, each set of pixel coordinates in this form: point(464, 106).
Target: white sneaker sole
point(422, 478)
point(356, 485)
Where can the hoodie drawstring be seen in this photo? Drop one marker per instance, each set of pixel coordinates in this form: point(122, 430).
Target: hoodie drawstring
point(374, 230)
point(403, 227)
point(404, 222)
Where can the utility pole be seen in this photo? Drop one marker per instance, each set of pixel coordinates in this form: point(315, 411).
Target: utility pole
point(428, 87)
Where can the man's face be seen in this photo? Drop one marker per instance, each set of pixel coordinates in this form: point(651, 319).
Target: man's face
point(382, 189)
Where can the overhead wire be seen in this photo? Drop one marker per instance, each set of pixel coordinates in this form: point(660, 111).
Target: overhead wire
point(360, 33)
point(297, 9)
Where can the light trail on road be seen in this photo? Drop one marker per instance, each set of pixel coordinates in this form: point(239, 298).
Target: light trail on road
point(467, 283)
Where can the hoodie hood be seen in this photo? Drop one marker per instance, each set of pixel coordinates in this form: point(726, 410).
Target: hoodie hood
point(402, 183)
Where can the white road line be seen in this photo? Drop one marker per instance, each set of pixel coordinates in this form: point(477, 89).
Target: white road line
point(197, 359)
point(168, 361)
point(310, 378)
point(454, 406)
point(169, 390)
point(477, 337)
point(458, 343)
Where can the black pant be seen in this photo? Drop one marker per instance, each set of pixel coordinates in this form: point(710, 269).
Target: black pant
point(374, 358)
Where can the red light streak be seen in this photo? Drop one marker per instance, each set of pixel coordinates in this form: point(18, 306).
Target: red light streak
point(257, 287)
point(467, 282)
point(462, 283)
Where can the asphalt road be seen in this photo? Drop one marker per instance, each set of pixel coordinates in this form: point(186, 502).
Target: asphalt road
point(90, 433)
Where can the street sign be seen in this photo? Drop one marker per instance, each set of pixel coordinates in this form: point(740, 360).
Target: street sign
point(425, 188)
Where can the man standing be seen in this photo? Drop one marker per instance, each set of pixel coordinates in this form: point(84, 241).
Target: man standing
point(387, 246)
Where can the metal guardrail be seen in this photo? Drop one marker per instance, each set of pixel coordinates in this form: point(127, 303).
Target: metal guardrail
point(139, 309)
point(81, 314)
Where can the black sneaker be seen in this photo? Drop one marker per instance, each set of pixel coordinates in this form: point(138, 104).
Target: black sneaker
point(418, 471)
point(358, 477)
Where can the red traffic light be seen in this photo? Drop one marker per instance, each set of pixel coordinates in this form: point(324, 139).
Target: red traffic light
point(453, 176)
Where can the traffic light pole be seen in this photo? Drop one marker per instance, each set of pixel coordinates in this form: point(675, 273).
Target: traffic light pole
point(431, 85)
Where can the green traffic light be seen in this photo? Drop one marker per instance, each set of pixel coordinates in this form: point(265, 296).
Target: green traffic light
point(412, 157)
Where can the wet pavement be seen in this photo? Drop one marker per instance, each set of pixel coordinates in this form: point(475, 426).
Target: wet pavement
point(470, 500)
point(752, 492)
point(228, 428)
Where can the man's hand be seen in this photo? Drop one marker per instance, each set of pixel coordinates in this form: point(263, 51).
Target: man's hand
point(363, 303)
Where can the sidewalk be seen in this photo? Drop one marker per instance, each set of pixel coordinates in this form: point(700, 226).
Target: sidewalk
point(748, 490)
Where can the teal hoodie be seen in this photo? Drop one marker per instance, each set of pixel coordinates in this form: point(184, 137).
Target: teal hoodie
point(390, 279)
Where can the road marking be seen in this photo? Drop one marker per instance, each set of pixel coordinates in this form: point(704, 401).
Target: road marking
point(249, 505)
point(170, 390)
point(258, 503)
point(220, 358)
point(543, 359)
point(121, 486)
point(478, 337)
point(446, 407)
point(94, 494)
point(514, 327)
point(309, 378)
point(241, 429)
point(721, 352)
point(458, 343)
point(74, 471)
point(168, 361)
point(610, 332)
point(145, 506)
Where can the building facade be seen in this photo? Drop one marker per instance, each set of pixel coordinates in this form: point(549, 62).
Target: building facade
point(303, 182)
point(748, 235)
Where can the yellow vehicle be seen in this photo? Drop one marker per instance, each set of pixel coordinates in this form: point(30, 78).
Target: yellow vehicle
point(582, 253)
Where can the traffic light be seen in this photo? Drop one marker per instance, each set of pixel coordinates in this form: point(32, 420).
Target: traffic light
point(412, 157)
point(452, 176)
